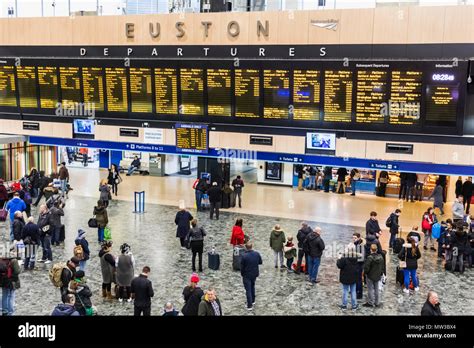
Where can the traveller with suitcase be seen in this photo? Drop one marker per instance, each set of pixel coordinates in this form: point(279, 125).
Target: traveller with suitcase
point(409, 256)
point(394, 225)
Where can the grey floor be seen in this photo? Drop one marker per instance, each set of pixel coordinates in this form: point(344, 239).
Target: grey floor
point(152, 237)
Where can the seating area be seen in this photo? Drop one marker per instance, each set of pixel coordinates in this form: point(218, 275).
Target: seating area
point(125, 163)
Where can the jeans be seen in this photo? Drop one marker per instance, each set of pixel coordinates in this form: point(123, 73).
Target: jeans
point(46, 243)
point(131, 170)
point(278, 255)
point(8, 301)
point(137, 311)
point(402, 193)
point(407, 273)
point(352, 289)
point(326, 184)
point(382, 189)
point(373, 292)
point(100, 233)
point(314, 263)
point(215, 207)
point(239, 196)
point(353, 186)
point(249, 285)
point(302, 254)
point(289, 262)
point(410, 193)
point(115, 188)
point(63, 187)
point(197, 249)
point(198, 199)
point(312, 182)
point(460, 258)
point(82, 265)
point(55, 234)
point(30, 256)
point(391, 243)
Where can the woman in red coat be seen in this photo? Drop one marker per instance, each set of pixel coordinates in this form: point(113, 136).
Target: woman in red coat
point(238, 235)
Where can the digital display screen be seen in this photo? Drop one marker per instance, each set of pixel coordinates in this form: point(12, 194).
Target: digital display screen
point(141, 91)
point(306, 95)
point(371, 94)
point(338, 88)
point(321, 141)
point(247, 93)
point(442, 97)
point(70, 82)
point(276, 93)
point(7, 86)
point(86, 127)
point(26, 76)
point(219, 92)
point(48, 86)
point(116, 82)
point(166, 91)
point(405, 97)
point(192, 92)
point(93, 85)
point(191, 138)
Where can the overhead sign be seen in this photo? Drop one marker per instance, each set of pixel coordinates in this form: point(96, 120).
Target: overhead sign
point(153, 136)
point(385, 166)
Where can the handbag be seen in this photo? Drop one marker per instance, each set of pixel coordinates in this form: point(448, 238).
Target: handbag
point(403, 264)
point(383, 180)
point(89, 310)
point(92, 223)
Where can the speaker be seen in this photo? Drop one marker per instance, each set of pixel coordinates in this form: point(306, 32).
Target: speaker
point(214, 5)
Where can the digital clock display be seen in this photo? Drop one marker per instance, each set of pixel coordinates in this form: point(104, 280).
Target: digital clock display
point(442, 77)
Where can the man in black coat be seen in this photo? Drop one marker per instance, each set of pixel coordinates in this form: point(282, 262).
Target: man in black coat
point(314, 246)
point(467, 193)
point(215, 196)
point(372, 226)
point(348, 277)
point(249, 271)
point(341, 180)
point(182, 220)
point(402, 193)
point(432, 306)
point(67, 274)
point(411, 182)
point(394, 226)
point(142, 292)
point(44, 181)
point(303, 232)
point(31, 238)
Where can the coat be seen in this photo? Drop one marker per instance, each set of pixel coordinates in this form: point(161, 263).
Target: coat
point(56, 214)
point(205, 307)
point(458, 190)
point(373, 267)
point(143, 289)
point(14, 281)
point(341, 174)
point(104, 192)
point(197, 234)
point(3, 193)
point(32, 232)
point(277, 240)
point(249, 264)
point(63, 173)
point(314, 245)
point(437, 195)
point(467, 189)
point(83, 296)
point(238, 236)
point(215, 194)
point(395, 224)
point(18, 225)
point(101, 216)
point(406, 255)
point(430, 310)
point(65, 310)
point(458, 210)
point(192, 298)
point(182, 219)
point(107, 266)
point(43, 221)
point(125, 270)
point(14, 205)
point(302, 234)
point(349, 269)
point(372, 227)
point(85, 247)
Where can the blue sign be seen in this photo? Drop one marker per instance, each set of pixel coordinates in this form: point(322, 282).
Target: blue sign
point(384, 166)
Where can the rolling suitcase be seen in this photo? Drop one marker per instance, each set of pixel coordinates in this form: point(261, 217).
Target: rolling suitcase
point(214, 261)
point(399, 277)
point(62, 233)
point(398, 244)
point(237, 257)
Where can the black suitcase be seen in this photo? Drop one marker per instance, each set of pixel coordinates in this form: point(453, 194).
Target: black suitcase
point(398, 245)
point(400, 277)
point(214, 261)
point(232, 199)
point(237, 257)
point(62, 233)
point(384, 255)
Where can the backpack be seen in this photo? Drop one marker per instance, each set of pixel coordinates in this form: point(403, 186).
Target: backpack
point(79, 252)
point(55, 274)
point(436, 230)
point(388, 223)
point(6, 272)
point(27, 198)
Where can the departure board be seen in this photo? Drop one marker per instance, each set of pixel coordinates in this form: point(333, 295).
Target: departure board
point(70, 83)
point(405, 97)
point(191, 138)
point(441, 104)
point(48, 86)
point(247, 93)
point(371, 94)
point(93, 85)
point(141, 91)
point(26, 77)
point(276, 93)
point(116, 82)
point(7, 86)
point(306, 91)
point(192, 91)
point(337, 96)
point(219, 92)
point(166, 91)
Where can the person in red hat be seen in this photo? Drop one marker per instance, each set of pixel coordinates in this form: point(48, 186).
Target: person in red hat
point(192, 297)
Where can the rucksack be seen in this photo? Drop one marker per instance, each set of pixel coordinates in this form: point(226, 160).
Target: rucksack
point(388, 223)
point(6, 272)
point(436, 230)
point(55, 274)
point(79, 252)
point(27, 198)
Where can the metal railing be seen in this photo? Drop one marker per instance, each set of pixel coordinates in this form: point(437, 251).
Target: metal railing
point(61, 8)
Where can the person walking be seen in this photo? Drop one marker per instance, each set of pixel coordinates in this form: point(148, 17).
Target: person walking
point(100, 213)
point(31, 239)
point(210, 305)
point(142, 292)
point(114, 179)
point(105, 194)
point(355, 177)
point(458, 190)
point(192, 297)
point(303, 232)
point(383, 181)
point(125, 266)
point(431, 308)
point(458, 209)
point(215, 197)
point(56, 212)
point(373, 269)
point(429, 219)
point(341, 180)
point(393, 223)
point(348, 274)
point(467, 193)
point(314, 246)
point(182, 220)
point(196, 236)
point(64, 178)
point(411, 179)
point(44, 224)
point(10, 282)
point(238, 236)
point(249, 271)
point(81, 251)
point(410, 253)
point(107, 267)
point(437, 196)
point(277, 242)
point(238, 184)
point(34, 178)
point(15, 204)
point(372, 226)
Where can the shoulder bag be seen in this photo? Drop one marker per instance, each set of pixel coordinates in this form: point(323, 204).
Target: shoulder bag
point(403, 264)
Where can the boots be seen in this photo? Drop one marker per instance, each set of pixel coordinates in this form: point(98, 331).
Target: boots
point(109, 295)
point(104, 293)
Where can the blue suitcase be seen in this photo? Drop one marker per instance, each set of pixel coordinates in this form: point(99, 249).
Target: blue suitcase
point(214, 261)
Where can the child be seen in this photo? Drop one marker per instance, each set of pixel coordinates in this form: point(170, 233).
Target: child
point(290, 253)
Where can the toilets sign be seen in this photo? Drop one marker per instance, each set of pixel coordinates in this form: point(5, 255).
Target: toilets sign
point(387, 166)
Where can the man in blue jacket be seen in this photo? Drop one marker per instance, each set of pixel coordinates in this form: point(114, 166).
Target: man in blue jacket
point(14, 205)
point(249, 271)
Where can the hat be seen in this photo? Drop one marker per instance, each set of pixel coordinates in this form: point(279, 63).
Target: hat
point(277, 228)
point(80, 274)
point(214, 183)
point(75, 260)
point(81, 233)
point(194, 278)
